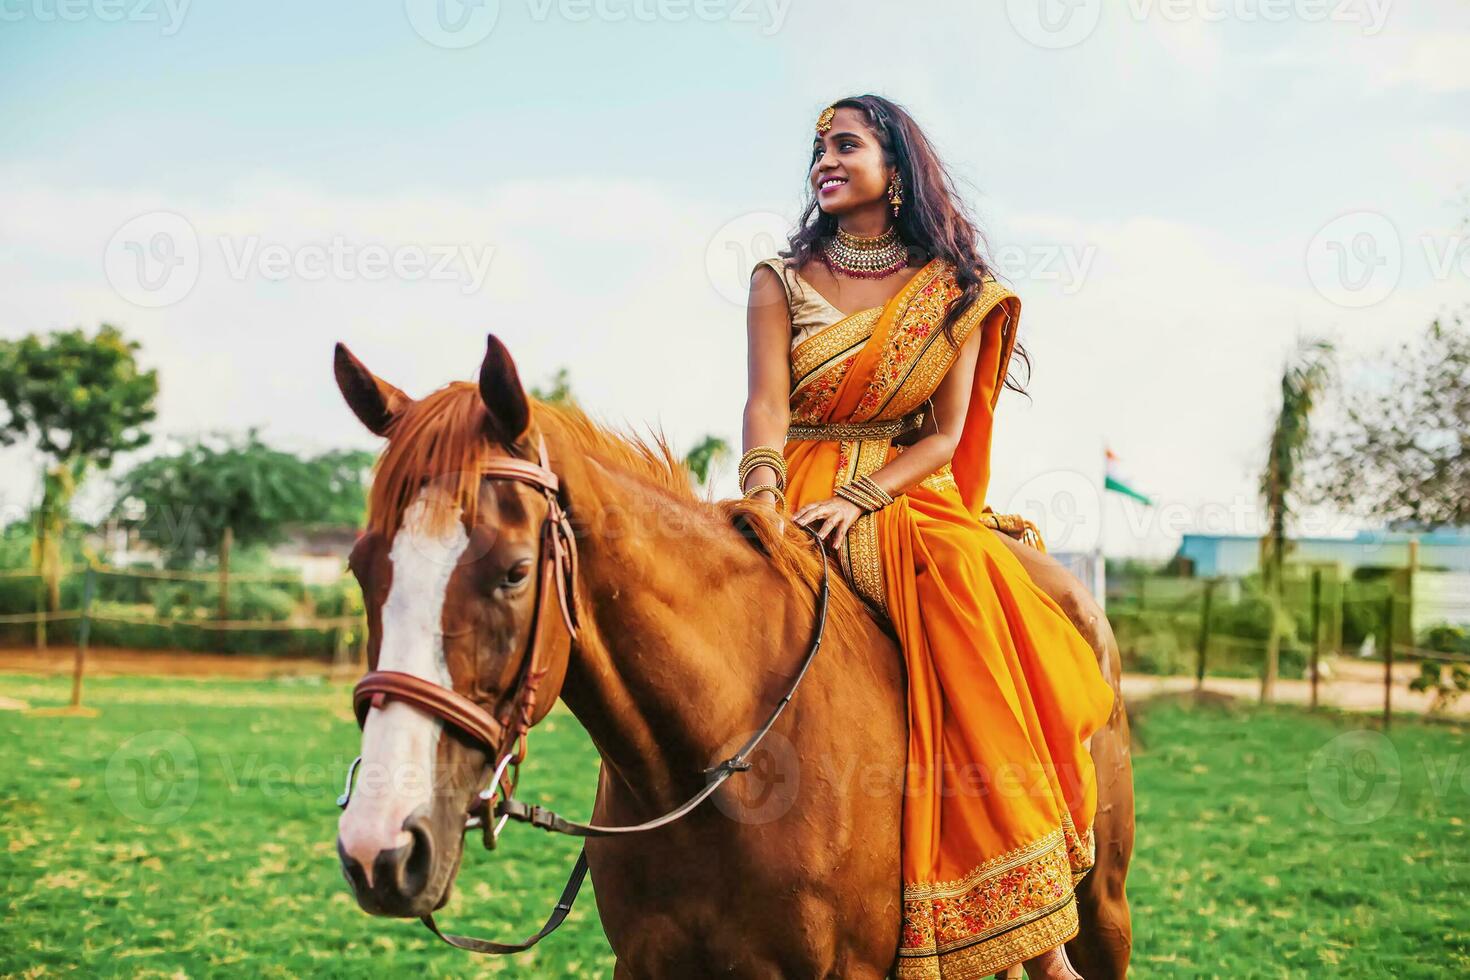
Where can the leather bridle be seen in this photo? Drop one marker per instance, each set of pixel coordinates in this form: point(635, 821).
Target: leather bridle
point(502, 732)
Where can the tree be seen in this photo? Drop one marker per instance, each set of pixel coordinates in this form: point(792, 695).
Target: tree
point(82, 400)
point(707, 453)
point(1301, 384)
point(1400, 450)
point(215, 492)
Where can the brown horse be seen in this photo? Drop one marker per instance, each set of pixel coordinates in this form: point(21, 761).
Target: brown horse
point(693, 618)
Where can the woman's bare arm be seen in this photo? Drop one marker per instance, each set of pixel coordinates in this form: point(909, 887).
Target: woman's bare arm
point(768, 405)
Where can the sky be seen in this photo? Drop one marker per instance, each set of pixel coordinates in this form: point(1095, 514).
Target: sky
point(1178, 190)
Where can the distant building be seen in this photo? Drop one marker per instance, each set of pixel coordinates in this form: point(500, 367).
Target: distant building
point(317, 551)
point(1441, 581)
point(1208, 555)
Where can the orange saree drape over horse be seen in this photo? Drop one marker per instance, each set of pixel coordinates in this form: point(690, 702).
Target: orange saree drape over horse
point(1000, 791)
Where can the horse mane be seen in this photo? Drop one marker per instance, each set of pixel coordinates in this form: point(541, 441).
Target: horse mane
point(440, 440)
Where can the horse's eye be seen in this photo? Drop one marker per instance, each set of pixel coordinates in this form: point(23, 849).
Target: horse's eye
point(518, 574)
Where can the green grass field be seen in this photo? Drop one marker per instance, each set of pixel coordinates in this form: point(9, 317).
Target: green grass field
point(188, 830)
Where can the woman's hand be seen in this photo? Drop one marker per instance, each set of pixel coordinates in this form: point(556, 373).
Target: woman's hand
point(830, 518)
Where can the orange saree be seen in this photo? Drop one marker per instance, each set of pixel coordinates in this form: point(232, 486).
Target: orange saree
point(1000, 792)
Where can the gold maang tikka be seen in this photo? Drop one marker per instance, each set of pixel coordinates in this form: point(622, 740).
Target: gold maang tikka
point(824, 121)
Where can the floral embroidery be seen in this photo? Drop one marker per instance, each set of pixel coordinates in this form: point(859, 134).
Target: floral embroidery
point(1008, 909)
point(811, 404)
point(912, 331)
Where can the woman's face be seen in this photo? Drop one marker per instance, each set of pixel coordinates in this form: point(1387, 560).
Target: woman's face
point(847, 165)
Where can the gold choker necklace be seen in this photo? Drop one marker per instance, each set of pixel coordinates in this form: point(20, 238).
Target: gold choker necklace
point(865, 258)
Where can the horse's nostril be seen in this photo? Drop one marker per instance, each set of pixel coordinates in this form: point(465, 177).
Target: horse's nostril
point(416, 860)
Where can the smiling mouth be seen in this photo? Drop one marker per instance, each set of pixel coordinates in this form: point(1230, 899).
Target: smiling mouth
point(830, 184)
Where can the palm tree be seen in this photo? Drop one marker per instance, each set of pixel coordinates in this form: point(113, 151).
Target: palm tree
point(1305, 376)
point(707, 453)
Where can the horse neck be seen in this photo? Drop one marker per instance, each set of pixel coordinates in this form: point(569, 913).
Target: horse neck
point(696, 635)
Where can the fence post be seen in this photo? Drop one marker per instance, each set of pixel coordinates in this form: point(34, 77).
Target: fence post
point(1388, 659)
point(84, 635)
point(1316, 628)
point(1204, 632)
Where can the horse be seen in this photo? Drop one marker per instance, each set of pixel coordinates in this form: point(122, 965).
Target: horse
point(684, 621)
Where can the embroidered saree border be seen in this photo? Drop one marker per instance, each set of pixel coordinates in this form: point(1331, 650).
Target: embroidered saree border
point(1007, 909)
point(929, 368)
point(864, 555)
point(929, 294)
point(829, 344)
point(985, 958)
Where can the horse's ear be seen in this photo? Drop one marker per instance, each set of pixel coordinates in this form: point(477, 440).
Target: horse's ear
point(507, 409)
point(373, 400)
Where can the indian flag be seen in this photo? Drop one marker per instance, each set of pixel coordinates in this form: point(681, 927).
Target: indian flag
point(1113, 481)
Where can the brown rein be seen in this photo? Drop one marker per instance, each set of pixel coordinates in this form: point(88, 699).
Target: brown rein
point(505, 729)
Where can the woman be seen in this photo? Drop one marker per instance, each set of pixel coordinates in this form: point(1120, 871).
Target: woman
point(878, 349)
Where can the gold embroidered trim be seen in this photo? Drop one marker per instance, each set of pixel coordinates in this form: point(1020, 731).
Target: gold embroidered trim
point(1008, 909)
point(830, 343)
point(838, 431)
point(865, 559)
point(940, 480)
point(931, 297)
point(986, 958)
point(1053, 841)
point(935, 360)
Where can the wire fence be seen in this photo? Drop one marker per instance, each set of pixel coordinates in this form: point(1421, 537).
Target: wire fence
point(1221, 627)
point(272, 612)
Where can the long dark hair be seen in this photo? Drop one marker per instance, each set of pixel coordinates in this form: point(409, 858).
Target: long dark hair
point(932, 221)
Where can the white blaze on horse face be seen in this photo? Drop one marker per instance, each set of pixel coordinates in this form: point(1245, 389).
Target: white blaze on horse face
point(399, 742)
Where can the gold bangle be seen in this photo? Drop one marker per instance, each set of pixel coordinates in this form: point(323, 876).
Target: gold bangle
point(845, 493)
point(871, 485)
point(761, 487)
point(763, 456)
point(864, 493)
point(854, 496)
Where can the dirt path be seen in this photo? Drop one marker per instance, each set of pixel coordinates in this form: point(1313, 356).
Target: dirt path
point(1355, 685)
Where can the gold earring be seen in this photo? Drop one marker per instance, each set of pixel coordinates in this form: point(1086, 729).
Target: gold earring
point(895, 192)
